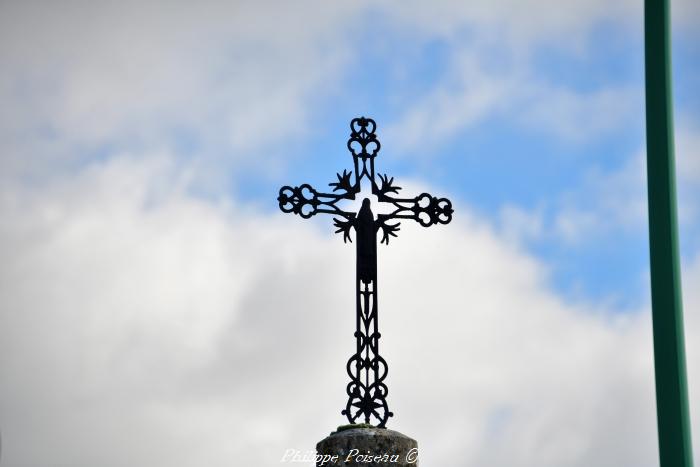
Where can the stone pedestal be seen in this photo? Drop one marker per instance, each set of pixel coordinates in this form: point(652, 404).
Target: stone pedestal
point(367, 446)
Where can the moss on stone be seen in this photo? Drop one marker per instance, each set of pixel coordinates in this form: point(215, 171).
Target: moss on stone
point(352, 426)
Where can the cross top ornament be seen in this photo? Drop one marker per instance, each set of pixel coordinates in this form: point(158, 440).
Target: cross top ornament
point(367, 390)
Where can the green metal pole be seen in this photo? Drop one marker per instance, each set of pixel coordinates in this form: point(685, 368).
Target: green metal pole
point(675, 448)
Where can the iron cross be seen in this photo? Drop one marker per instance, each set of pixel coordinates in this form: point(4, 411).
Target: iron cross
point(367, 390)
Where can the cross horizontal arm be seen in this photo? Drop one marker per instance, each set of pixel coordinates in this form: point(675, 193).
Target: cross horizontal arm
point(306, 201)
point(425, 209)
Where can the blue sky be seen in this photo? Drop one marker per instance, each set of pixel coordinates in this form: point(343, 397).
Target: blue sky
point(502, 159)
point(155, 300)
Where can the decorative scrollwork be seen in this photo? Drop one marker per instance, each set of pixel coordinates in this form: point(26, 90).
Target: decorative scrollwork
point(387, 185)
point(343, 182)
point(429, 210)
point(362, 138)
point(302, 200)
point(367, 369)
point(344, 226)
point(367, 390)
point(305, 201)
point(388, 230)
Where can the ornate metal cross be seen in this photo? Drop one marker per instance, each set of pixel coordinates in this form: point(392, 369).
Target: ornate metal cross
point(367, 390)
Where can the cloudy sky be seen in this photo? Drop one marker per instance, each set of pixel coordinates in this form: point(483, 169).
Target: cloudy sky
point(156, 308)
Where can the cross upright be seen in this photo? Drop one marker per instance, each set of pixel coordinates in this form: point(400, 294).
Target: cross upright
point(366, 390)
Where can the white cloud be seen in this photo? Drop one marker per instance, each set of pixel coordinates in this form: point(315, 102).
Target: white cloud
point(466, 95)
point(524, 25)
point(144, 326)
point(617, 200)
point(578, 116)
point(235, 77)
point(520, 24)
point(228, 77)
point(518, 225)
point(688, 170)
point(606, 202)
point(510, 33)
point(493, 70)
point(688, 151)
point(470, 93)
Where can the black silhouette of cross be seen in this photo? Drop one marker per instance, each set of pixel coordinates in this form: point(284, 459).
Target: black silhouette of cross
point(367, 390)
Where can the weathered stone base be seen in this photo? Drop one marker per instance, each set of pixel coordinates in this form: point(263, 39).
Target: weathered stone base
point(367, 446)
